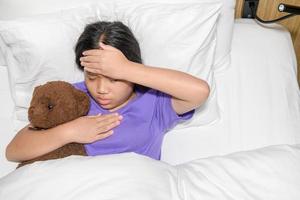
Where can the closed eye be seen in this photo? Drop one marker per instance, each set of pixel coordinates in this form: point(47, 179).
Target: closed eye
point(92, 77)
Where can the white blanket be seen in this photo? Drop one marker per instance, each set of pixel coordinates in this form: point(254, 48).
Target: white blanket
point(269, 173)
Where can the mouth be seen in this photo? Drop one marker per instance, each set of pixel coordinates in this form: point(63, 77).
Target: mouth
point(104, 101)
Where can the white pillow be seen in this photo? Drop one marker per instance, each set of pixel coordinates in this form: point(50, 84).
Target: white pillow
point(224, 28)
point(2, 59)
point(12, 9)
point(181, 37)
point(40, 48)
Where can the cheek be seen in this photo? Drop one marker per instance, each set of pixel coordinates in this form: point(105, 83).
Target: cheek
point(122, 91)
point(121, 88)
point(91, 86)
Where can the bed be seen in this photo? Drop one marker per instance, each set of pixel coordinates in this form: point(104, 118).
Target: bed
point(246, 144)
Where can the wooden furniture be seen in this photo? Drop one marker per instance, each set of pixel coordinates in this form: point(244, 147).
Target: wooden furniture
point(267, 10)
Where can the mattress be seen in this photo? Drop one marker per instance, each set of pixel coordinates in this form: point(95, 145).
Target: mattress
point(258, 96)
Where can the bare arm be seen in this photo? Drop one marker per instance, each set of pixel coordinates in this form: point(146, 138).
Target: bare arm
point(29, 144)
point(188, 92)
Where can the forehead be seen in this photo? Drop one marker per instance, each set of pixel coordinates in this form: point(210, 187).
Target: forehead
point(93, 74)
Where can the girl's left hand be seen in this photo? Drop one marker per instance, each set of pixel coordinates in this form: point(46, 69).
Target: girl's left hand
point(108, 61)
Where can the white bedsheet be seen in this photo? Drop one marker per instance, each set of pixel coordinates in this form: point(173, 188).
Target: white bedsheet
point(258, 96)
point(259, 100)
point(268, 173)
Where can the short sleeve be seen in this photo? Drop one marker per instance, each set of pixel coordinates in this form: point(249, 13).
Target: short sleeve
point(165, 115)
point(80, 86)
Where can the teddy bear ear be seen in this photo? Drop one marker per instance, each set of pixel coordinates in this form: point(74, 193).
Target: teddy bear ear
point(34, 94)
point(35, 90)
point(83, 102)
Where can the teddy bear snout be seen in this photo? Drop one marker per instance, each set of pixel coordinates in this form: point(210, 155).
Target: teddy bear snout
point(33, 111)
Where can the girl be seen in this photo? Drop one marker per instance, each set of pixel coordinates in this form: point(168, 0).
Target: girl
point(132, 105)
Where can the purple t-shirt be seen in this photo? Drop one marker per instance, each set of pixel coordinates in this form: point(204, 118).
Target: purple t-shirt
point(146, 118)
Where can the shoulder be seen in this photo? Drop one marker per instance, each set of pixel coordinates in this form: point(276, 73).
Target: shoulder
point(80, 86)
point(164, 103)
point(152, 97)
point(150, 92)
point(147, 99)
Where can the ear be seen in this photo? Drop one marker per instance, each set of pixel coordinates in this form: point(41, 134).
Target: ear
point(83, 102)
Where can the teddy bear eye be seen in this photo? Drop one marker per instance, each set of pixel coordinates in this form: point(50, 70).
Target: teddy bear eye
point(50, 106)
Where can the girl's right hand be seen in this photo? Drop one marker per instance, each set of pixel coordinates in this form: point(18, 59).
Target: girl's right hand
point(88, 129)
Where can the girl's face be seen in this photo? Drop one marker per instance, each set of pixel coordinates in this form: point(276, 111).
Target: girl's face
point(110, 94)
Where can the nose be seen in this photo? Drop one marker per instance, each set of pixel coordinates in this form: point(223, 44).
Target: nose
point(102, 86)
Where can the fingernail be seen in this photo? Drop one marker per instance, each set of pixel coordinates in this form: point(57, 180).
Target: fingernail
point(120, 117)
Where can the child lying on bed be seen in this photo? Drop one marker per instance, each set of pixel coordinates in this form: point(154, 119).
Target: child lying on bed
point(132, 105)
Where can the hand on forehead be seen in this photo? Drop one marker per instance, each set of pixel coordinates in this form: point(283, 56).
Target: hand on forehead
point(92, 52)
point(107, 61)
point(92, 71)
point(102, 47)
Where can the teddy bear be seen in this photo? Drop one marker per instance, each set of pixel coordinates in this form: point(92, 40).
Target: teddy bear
point(52, 104)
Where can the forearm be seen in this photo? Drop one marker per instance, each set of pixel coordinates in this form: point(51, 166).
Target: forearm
point(175, 83)
point(29, 144)
point(180, 85)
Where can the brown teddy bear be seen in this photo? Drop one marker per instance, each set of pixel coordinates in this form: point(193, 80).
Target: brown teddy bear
point(52, 104)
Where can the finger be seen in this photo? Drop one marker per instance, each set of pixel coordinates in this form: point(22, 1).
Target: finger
point(90, 65)
point(92, 52)
point(90, 59)
point(109, 119)
point(109, 114)
point(109, 126)
point(100, 118)
point(103, 135)
point(107, 47)
point(95, 116)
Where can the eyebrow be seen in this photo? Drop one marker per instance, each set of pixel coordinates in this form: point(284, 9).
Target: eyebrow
point(91, 73)
point(94, 74)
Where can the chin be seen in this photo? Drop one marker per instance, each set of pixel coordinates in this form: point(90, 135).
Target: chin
point(107, 106)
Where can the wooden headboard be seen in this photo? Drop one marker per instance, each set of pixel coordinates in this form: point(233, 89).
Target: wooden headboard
point(267, 10)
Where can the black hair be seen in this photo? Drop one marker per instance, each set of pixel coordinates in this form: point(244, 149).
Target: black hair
point(115, 34)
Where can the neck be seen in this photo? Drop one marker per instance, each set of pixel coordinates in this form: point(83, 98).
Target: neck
point(123, 104)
